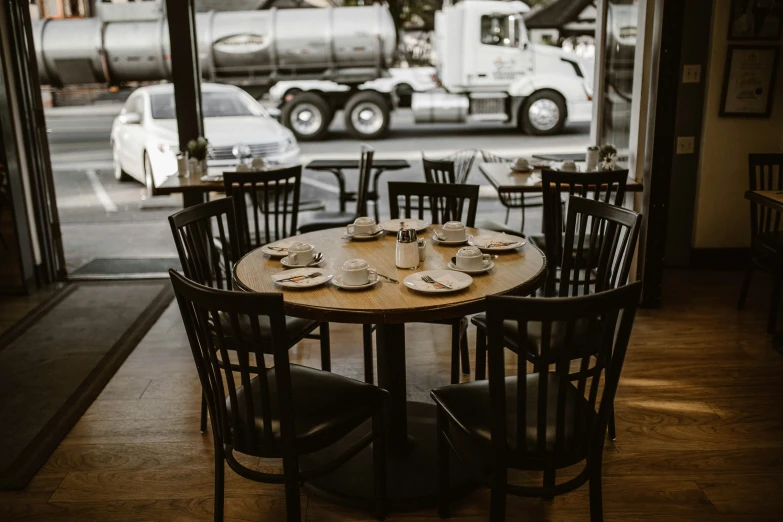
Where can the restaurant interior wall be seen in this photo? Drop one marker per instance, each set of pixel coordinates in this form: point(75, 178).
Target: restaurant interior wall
point(722, 216)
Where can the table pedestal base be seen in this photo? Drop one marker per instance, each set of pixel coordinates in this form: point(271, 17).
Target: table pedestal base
point(412, 481)
point(777, 342)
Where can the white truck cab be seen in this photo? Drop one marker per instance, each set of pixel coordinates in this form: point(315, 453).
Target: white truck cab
point(492, 72)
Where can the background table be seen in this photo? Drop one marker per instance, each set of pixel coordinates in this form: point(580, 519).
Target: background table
point(503, 179)
point(193, 190)
point(337, 167)
point(772, 199)
point(568, 156)
point(411, 425)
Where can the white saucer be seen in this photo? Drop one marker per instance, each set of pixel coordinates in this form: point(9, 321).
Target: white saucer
point(271, 248)
point(487, 268)
point(338, 282)
point(365, 237)
point(483, 241)
point(394, 225)
point(306, 283)
point(448, 242)
point(457, 281)
point(284, 261)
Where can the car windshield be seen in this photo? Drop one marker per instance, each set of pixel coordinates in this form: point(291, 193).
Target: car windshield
point(214, 105)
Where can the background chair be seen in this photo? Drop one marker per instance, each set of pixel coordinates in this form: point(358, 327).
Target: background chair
point(600, 242)
point(766, 239)
point(454, 168)
point(446, 203)
point(545, 420)
point(328, 219)
point(251, 405)
point(510, 200)
point(200, 234)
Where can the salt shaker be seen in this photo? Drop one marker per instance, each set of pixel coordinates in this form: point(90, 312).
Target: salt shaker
point(592, 159)
point(407, 249)
point(422, 250)
point(182, 164)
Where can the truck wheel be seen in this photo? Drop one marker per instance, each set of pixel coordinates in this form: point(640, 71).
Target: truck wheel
point(367, 116)
point(543, 114)
point(308, 116)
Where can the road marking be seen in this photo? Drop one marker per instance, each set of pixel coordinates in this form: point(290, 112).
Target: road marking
point(100, 192)
point(321, 185)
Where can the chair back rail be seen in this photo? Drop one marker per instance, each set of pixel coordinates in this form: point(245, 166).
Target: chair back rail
point(206, 236)
point(207, 314)
point(766, 173)
point(266, 205)
point(446, 202)
point(598, 249)
point(454, 168)
point(561, 408)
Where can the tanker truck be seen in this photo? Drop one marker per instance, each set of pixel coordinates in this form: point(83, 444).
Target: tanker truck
point(487, 68)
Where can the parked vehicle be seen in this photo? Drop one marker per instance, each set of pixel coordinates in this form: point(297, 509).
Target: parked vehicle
point(144, 136)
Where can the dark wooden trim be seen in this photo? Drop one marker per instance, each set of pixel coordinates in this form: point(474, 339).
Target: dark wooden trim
point(720, 258)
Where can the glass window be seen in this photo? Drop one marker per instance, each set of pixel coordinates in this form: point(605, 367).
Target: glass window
point(214, 104)
point(500, 30)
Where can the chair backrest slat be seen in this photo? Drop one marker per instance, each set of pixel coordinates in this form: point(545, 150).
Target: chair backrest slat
point(765, 173)
point(365, 177)
point(273, 196)
point(454, 168)
point(447, 202)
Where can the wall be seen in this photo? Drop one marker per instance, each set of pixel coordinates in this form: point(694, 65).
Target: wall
point(722, 215)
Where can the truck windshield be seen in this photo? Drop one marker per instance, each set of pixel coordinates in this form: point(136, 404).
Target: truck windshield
point(215, 104)
point(502, 30)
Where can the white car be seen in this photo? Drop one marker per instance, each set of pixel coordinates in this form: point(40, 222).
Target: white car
point(144, 136)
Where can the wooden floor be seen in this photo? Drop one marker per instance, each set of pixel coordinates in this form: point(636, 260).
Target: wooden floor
point(700, 430)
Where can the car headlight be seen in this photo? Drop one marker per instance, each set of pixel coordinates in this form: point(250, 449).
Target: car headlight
point(288, 144)
point(165, 147)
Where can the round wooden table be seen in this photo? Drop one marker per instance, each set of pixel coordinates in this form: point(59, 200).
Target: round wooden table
point(410, 426)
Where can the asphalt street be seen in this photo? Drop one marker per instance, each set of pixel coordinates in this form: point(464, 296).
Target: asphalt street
point(101, 217)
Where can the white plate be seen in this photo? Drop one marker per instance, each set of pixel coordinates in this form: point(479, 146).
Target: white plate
point(448, 242)
point(456, 280)
point(271, 248)
point(487, 268)
point(339, 283)
point(284, 261)
point(393, 225)
point(304, 283)
point(365, 237)
point(483, 242)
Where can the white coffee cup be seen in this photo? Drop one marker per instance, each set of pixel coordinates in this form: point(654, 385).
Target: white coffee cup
point(300, 253)
point(243, 168)
point(454, 231)
point(522, 164)
point(358, 272)
point(568, 166)
point(471, 258)
point(362, 225)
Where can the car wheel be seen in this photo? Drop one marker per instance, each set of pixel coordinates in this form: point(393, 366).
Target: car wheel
point(149, 180)
point(367, 116)
point(308, 116)
point(119, 174)
point(543, 114)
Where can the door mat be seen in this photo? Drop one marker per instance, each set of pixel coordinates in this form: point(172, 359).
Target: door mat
point(52, 370)
point(126, 268)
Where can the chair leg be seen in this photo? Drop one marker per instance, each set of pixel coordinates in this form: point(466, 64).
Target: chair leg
point(522, 224)
point(379, 463)
point(497, 498)
point(203, 413)
point(291, 480)
point(549, 483)
point(443, 465)
point(326, 355)
point(481, 354)
point(219, 481)
point(596, 500)
point(455, 357)
point(508, 213)
point(463, 346)
point(774, 303)
point(612, 430)
point(745, 287)
point(368, 365)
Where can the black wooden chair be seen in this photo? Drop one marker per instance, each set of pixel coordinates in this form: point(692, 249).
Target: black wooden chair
point(766, 238)
point(511, 200)
point(200, 234)
point(548, 419)
point(600, 242)
point(266, 205)
point(280, 411)
point(445, 203)
point(454, 168)
point(329, 219)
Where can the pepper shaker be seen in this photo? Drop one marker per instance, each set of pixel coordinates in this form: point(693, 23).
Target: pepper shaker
point(592, 159)
point(407, 255)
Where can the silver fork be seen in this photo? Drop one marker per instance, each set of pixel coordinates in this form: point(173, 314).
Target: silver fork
point(428, 279)
point(292, 279)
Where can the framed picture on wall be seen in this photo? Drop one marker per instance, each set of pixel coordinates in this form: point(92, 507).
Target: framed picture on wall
point(755, 19)
point(749, 81)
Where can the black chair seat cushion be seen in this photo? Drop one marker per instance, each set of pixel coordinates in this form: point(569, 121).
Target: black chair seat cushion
point(324, 220)
point(296, 328)
point(580, 340)
point(327, 407)
point(468, 406)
